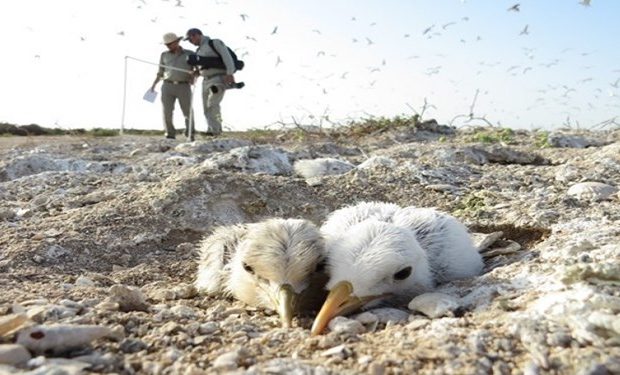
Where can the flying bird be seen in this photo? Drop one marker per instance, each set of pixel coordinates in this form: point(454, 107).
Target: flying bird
point(447, 25)
point(275, 30)
point(515, 8)
point(243, 16)
point(585, 3)
point(272, 264)
point(524, 31)
point(428, 29)
point(378, 252)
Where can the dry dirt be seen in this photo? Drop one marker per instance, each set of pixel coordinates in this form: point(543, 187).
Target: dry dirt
point(79, 215)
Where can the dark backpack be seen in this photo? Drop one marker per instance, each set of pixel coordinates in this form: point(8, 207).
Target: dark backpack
point(239, 64)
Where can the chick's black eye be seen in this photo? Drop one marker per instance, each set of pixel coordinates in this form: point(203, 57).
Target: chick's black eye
point(320, 266)
point(248, 268)
point(402, 274)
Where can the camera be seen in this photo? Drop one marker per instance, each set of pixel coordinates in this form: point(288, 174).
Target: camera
point(234, 85)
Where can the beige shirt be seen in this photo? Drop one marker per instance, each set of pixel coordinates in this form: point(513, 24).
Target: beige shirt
point(176, 60)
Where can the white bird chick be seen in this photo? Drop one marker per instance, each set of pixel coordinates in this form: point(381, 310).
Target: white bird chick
point(394, 255)
point(271, 264)
point(342, 219)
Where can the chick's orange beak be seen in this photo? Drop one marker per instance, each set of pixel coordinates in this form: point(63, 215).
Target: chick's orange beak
point(340, 301)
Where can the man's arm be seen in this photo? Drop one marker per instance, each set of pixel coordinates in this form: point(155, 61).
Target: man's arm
point(160, 72)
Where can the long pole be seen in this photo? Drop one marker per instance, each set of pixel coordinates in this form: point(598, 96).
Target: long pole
point(124, 97)
point(191, 113)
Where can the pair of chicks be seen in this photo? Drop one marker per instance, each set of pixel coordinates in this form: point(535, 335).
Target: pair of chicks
point(361, 256)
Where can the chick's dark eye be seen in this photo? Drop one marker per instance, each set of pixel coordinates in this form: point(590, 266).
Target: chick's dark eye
point(248, 268)
point(402, 274)
point(320, 266)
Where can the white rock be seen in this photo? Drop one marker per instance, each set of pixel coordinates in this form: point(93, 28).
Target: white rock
point(55, 252)
point(253, 159)
point(13, 354)
point(483, 240)
point(182, 311)
point(375, 161)
point(60, 337)
point(364, 360)
point(592, 191)
point(97, 359)
point(308, 168)
point(84, 281)
point(434, 305)
point(208, 328)
point(337, 351)
point(390, 315)
point(366, 318)
point(341, 324)
point(57, 366)
point(568, 140)
point(227, 361)
point(607, 321)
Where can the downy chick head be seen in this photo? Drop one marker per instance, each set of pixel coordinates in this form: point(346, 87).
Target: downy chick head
point(275, 263)
point(372, 262)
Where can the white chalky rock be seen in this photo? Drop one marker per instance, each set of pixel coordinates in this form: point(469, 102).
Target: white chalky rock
point(375, 161)
point(308, 168)
point(366, 318)
point(63, 366)
point(84, 281)
point(59, 338)
point(341, 324)
point(337, 351)
point(183, 311)
point(434, 305)
point(390, 315)
point(13, 354)
point(228, 361)
point(592, 191)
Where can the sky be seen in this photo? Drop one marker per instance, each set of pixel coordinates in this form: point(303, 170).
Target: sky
point(551, 64)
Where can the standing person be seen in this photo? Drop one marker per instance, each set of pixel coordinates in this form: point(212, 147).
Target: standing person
point(177, 84)
point(215, 80)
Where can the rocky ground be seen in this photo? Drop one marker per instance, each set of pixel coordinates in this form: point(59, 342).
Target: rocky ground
point(98, 236)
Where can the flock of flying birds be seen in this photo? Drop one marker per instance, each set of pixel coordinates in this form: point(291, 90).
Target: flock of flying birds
point(329, 73)
point(560, 97)
point(362, 256)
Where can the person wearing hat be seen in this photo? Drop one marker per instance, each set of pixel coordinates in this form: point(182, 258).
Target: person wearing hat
point(178, 77)
point(215, 80)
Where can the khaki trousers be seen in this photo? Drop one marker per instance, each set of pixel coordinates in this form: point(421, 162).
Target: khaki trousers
point(211, 105)
point(171, 92)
